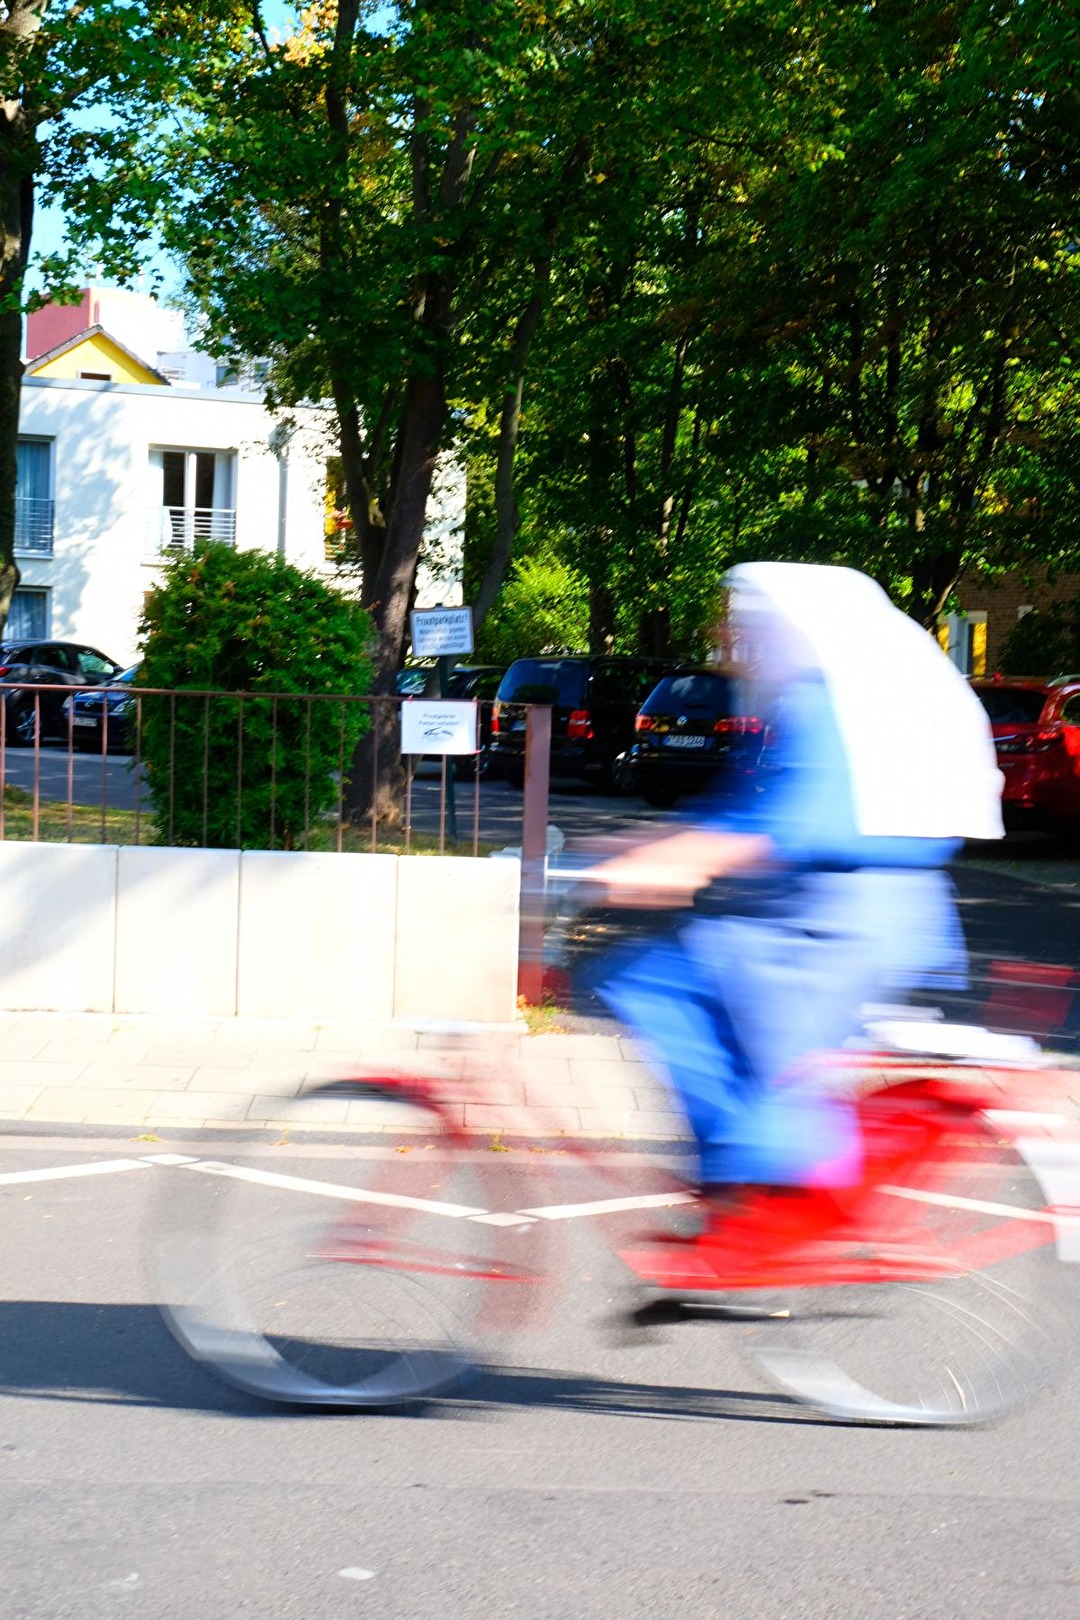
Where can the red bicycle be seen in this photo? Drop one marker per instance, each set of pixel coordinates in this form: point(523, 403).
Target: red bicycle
point(923, 1295)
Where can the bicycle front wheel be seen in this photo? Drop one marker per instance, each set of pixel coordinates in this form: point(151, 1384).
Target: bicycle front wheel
point(964, 1346)
point(348, 1277)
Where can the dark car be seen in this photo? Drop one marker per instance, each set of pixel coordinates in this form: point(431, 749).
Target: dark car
point(1036, 727)
point(478, 682)
point(46, 663)
point(96, 714)
point(594, 701)
point(689, 736)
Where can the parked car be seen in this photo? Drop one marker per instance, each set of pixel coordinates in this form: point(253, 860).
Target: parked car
point(594, 702)
point(90, 711)
point(1036, 726)
point(412, 679)
point(478, 682)
point(47, 663)
point(688, 735)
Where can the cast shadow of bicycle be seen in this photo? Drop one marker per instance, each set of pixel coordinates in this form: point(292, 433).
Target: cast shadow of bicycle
point(123, 1355)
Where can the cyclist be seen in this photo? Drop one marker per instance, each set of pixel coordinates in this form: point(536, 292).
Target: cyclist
point(882, 763)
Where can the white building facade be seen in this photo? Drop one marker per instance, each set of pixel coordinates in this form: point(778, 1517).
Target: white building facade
point(116, 477)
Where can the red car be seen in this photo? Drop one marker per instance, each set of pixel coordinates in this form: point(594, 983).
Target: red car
point(1036, 726)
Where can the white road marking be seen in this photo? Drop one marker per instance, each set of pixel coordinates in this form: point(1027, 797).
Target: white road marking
point(170, 1158)
point(354, 1574)
point(1056, 1166)
point(609, 1206)
point(502, 1218)
point(102, 1167)
point(980, 1205)
point(1023, 1116)
point(326, 1189)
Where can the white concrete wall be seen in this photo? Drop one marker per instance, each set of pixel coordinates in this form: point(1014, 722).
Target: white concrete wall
point(185, 932)
point(57, 926)
point(316, 935)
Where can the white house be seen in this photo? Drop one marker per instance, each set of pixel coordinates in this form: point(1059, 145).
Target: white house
point(123, 462)
point(116, 476)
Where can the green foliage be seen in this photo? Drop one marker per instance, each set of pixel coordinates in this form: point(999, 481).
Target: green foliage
point(1044, 642)
point(256, 772)
point(543, 608)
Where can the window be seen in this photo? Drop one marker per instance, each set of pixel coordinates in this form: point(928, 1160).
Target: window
point(95, 663)
point(34, 497)
point(1011, 705)
point(194, 498)
point(706, 691)
point(963, 637)
point(1070, 714)
point(55, 657)
point(28, 617)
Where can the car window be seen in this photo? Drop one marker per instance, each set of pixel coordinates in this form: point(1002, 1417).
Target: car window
point(487, 685)
point(52, 657)
point(1070, 713)
point(544, 680)
point(95, 663)
point(1011, 706)
point(693, 691)
point(623, 682)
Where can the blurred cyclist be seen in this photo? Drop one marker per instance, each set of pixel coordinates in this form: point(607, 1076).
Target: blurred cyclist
point(883, 762)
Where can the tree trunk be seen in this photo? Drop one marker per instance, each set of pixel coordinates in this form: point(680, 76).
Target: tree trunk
point(18, 152)
point(378, 775)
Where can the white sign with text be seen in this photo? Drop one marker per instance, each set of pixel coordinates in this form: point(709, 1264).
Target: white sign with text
point(441, 632)
point(438, 726)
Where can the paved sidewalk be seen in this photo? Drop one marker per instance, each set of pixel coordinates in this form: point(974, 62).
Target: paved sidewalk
point(98, 1069)
point(147, 1073)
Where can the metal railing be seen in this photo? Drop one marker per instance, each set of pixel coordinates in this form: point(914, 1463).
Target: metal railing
point(267, 770)
point(177, 528)
point(34, 526)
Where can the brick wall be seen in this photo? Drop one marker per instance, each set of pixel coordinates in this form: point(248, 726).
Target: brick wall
point(1001, 598)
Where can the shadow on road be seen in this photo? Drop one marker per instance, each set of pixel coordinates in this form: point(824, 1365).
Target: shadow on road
point(123, 1355)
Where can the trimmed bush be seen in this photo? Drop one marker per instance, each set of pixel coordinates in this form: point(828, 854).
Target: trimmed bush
point(1045, 642)
point(251, 773)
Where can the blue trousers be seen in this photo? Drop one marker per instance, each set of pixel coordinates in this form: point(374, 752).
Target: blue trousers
point(734, 1006)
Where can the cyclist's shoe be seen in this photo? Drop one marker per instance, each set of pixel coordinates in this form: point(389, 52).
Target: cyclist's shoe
point(752, 1244)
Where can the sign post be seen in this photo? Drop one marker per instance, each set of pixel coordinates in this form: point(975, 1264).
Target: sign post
point(443, 633)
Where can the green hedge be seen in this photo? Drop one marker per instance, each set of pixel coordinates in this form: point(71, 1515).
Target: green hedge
point(256, 773)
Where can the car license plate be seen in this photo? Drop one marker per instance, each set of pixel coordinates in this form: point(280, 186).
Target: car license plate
point(685, 742)
point(78, 720)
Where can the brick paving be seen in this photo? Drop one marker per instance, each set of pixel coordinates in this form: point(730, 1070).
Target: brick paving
point(98, 1069)
point(149, 1073)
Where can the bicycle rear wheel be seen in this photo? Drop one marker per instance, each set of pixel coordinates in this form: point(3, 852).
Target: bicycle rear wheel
point(360, 1285)
point(962, 1347)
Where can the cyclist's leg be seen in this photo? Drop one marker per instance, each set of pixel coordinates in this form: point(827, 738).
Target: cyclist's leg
point(663, 995)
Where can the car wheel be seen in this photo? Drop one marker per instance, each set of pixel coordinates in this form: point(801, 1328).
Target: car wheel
point(22, 723)
point(514, 776)
point(660, 798)
point(622, 780)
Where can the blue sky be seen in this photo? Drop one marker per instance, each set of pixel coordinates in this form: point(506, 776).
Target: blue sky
point(49, 228)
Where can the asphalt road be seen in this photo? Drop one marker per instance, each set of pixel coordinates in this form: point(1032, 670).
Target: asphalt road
point(592, 1474)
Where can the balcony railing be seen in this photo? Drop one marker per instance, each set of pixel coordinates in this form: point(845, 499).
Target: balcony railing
point(177, 528)
point(33, 526)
